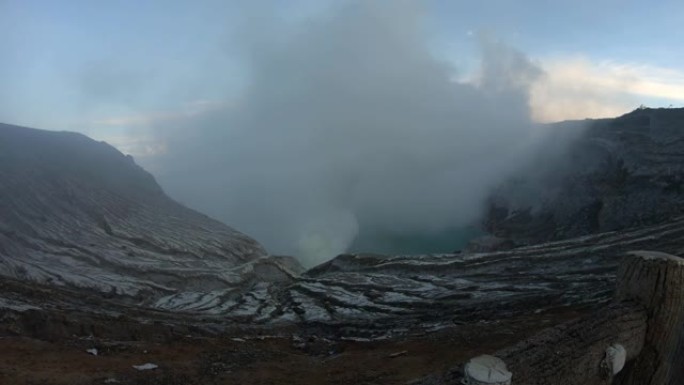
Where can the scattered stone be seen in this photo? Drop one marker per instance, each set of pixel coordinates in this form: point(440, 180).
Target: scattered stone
point(486, 370)
point(147, 366)
point(616, 355)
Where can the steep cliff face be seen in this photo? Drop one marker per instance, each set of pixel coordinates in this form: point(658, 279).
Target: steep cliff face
point(614, 174)
point(77, 212)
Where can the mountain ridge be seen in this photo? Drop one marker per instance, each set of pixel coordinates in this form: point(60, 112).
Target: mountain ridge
point(74, 211)
point(610, 174)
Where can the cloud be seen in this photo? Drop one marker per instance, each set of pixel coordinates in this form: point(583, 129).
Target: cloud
point(188, 110)
point(136, 146)
point(112, 81)
point(577, 88)
point(350, 125)
point(145, 119)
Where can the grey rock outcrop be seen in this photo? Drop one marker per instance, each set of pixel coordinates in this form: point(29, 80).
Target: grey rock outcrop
point(610, 174)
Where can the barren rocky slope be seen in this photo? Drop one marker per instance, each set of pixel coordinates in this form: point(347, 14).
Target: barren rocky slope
point(614, 174)
point(75, 212)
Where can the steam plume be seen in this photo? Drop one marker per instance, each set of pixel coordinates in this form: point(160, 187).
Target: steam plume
point(350, 123)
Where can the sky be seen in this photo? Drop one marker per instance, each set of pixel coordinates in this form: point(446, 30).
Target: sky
point(105, 68)
point(307, 122)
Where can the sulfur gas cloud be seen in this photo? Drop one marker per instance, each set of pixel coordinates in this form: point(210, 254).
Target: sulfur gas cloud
point(350, 125)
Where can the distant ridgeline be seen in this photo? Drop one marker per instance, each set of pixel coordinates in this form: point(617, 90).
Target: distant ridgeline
point(596, 176)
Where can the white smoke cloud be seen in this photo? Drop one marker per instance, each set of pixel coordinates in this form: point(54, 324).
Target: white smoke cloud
point(348, 124)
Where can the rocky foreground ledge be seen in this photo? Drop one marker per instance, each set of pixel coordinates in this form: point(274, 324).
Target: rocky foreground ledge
point(637, 339)
point(349, 330)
